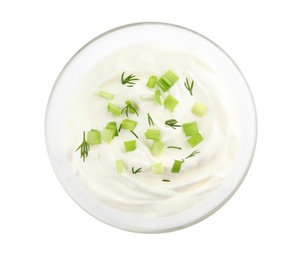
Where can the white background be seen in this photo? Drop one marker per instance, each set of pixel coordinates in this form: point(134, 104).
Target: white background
point(263, 220)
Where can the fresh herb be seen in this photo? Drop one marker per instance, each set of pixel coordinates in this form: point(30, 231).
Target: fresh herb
point(194, 153)
point(189, 86)
point(129, 80)
point(172, 123)
point(150, 120)
point(175, 147)
point(166, 180)
point(136, 171)
point(84, 148)
point(119, 128)
point(134, 134)
point(129, 108)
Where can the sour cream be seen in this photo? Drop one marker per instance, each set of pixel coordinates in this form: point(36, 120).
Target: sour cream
point(145, 193)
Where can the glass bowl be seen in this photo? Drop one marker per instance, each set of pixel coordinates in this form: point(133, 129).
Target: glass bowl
point(92, 53)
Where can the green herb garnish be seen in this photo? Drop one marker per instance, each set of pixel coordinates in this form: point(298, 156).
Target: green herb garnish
point(84, 148)
point(190, 86)
point(129, 80)
point(150, 120)
point(129, 108)
point(166, 180)
point(194, 153)
point(175, 147)
point(134, 134)
point(136, 171)
point(172, 123)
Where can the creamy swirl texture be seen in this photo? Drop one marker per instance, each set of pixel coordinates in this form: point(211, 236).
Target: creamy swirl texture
point(145, 193)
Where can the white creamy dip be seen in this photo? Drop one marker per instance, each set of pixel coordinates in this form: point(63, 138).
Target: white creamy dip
point(145, 193)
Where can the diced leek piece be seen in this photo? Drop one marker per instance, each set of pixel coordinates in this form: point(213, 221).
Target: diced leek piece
point(106, 95)
point(158, 97)
point(130, 145)
point(170, 103)
point(167, 80)
point(190, 128)
point(152, 134)
point(115, 110)
point(176, 166)
point(152, 81)
point(158, 168)
point(129, 124)
point(199, 109)
point(113, 126)
point(119, 166)
point(195, 139)
point(107, 134)
point(94, 137)
point(157, 148)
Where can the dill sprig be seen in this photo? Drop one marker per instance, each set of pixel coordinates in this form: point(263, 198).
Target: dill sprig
point(134, 134)
point(84, 148)
point(129, 80)
point(189, 86)
point(150, 120)
point(136, 171)
point(166, 180)
point(172, 123)
point(129, 108)
point(175, 147)
point(194, 153)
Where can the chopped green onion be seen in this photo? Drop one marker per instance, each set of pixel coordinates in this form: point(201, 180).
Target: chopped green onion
point(152, 81)
point(199, 109)
point(107, 134)
point(195, 139)
point(158, 97)
point(119, 166)
point(176, 166)
point(152, 134)
point(134, 134)
point(113, 126)
point(130, 145)
point(158, 168)
point(94, 137)
point(129, 124)
point(170, 103)
point(150, 120)
point(166, 180)
point(157, 148)
point(167, 80)
point(175, 147)
point(106, 95)
point(115, 110)
point(190, 128)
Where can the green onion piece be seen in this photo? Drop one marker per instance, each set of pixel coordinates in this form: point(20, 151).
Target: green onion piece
point(152, 81)
point(106, 95)
point(130, 145)
point(167, 80)
point(152, 134)
point(107, 135)
point(170, 103)
point(119, 166)
point(157, 148)
point(190, 128)
point(158, 168)
point(115, 110)
point(158, 97)
point(176, 166)
point(129, 124)
point(113, 126)
point(94, 137)
point(195, 139)
point(199, 109)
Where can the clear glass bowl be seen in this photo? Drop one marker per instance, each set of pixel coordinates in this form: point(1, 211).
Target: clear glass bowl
point(94, 51)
